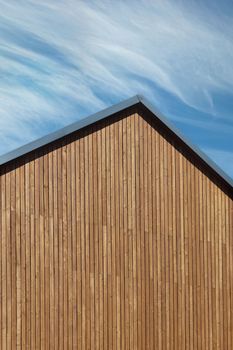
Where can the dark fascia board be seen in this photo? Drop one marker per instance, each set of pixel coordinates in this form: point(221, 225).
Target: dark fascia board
point(137, 99)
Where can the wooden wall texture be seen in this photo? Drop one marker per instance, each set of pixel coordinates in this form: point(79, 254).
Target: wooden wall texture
point(115, 237)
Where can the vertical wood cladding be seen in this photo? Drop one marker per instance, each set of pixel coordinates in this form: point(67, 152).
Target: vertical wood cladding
point(115, 237)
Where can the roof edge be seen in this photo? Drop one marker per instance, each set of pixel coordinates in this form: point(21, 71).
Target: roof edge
point(107, 112)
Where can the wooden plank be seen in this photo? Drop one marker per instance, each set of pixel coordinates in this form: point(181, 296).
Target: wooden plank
point(134, 234)
point(117, 238)
point(60, 253)
point(138, 227)
point(3, 263)
point(82, 233)
point(23, 248)
point(113, 233)
point(37, 255)
point(74, 252)
point(142, 234)
point(91, 242)
point(46, 252)
point(8, 260)
point(70, 289)
point(87, 240)
point(42, 254)
point(32, 250)
point(18, 263)
point(13, 266)
point(78, 246)
point(96, 301)
point(54, 209)
point(121, 236)
point(50, 251)
point(100, 241)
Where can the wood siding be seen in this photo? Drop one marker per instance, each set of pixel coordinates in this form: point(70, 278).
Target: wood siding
point(115, 237)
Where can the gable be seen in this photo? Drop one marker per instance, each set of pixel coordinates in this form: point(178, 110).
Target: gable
point(146, 111)
point(145, 107)
point(120, 218)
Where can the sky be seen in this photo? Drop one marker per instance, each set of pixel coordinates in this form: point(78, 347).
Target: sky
point(61, 60)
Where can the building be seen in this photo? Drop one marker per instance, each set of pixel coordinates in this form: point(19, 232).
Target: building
point(116, 233)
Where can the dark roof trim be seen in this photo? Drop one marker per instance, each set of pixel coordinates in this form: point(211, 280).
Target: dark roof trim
point(104, 114)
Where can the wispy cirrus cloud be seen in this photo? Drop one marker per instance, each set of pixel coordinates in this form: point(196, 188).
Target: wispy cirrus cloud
point(60, 60)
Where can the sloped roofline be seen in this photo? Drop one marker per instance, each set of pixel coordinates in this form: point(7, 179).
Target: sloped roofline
point(137, 99)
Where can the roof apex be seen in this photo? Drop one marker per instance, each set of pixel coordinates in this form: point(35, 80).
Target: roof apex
point(107, 113)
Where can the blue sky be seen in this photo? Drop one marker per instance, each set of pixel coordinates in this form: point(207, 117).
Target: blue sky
point(62, 60)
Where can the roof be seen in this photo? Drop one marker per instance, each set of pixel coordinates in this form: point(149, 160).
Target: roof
point(137, 99)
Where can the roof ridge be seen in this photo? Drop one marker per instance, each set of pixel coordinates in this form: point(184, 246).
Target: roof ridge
point(107, 112)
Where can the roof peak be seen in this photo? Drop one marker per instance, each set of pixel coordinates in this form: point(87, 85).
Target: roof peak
point(107, 112)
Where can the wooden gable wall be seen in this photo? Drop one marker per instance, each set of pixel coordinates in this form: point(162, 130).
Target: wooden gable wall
point(115, 237)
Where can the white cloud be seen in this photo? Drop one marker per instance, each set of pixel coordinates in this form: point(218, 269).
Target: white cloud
point(71, 56)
